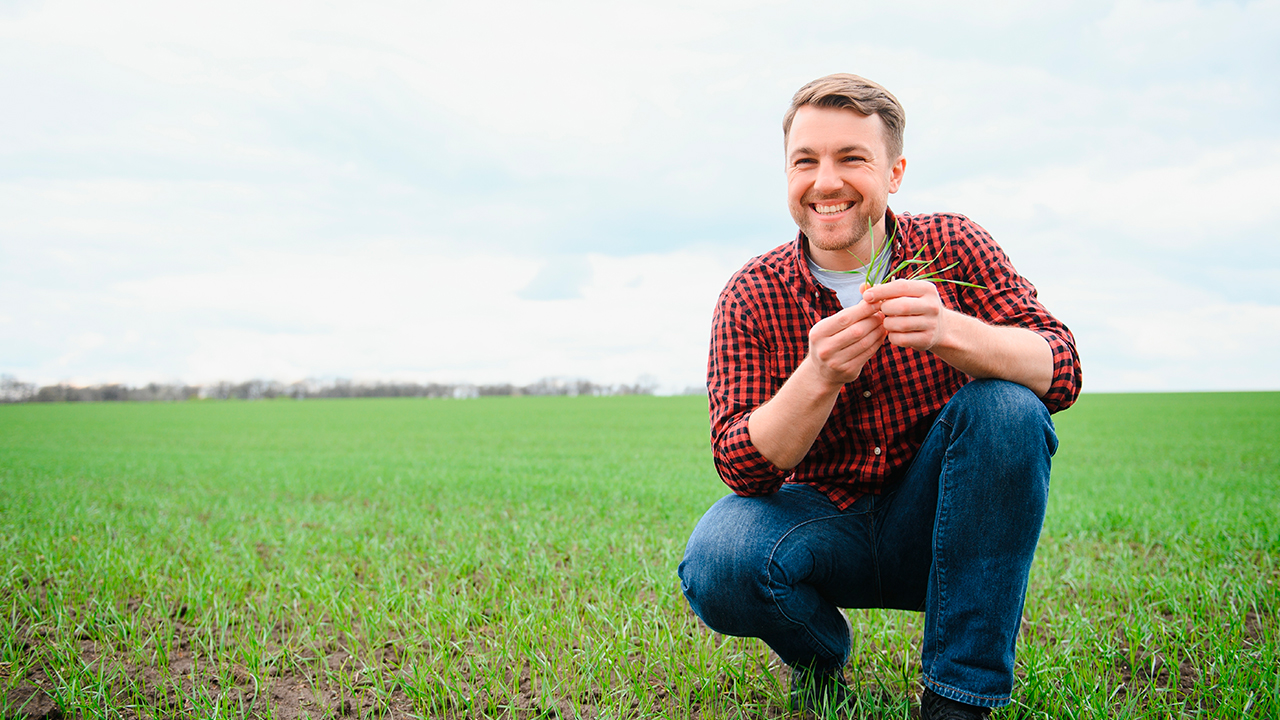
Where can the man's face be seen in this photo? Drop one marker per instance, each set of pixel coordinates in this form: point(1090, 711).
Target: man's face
point(839, 176)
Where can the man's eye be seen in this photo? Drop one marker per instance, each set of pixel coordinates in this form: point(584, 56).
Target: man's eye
point(855, 158)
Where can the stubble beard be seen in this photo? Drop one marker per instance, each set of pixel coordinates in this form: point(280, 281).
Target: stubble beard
point(847, 239)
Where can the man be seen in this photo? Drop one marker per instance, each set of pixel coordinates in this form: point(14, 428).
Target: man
point(888, 443)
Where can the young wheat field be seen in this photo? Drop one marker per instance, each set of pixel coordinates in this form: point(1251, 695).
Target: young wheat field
point(515, 558)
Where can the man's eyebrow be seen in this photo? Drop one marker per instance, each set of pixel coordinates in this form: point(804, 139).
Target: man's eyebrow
point(841, 151)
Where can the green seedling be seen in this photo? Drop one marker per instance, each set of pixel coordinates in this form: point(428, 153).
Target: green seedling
point(919, 269)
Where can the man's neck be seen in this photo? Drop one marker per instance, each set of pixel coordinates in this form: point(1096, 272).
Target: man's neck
point(852, 258)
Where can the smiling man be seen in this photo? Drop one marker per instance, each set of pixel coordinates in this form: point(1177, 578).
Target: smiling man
point(887, 441)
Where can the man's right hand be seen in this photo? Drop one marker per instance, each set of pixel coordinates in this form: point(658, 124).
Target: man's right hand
point(840, 345)
point(784, 428)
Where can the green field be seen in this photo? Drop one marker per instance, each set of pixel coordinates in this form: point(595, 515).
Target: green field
point(515, 557)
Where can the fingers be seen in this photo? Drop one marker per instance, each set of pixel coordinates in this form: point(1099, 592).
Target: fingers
point(899, 324)
point(848, 325)
point(877, 294)
point(921, 326)
point(912, 312)
point(908, 307)
point(843, 343)
point(905, 298)
point(846, 318)
point(848, 341)
point(859, 339)
point(846, 361)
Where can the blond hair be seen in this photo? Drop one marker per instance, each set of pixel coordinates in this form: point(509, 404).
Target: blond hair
point(852, 92)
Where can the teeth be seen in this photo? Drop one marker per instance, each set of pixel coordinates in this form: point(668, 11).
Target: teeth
point(832, 209)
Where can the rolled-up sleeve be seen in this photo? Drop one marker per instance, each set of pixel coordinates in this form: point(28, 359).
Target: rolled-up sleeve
point(1066, 369)
point(739, 380)
point(1010, 299)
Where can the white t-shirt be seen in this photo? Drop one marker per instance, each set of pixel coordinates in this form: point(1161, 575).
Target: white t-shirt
point(845, 284)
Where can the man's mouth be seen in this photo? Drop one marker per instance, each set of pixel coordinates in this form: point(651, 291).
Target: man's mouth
point(831, 209)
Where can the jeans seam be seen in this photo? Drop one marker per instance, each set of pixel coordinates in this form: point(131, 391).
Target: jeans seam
point(874, 540)
point(769, 578)
point(939, 645)
point(999, 699)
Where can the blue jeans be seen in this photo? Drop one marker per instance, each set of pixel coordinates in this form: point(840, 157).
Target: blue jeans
point(953, 537)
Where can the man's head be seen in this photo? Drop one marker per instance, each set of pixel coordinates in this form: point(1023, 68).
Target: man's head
point(852, 92)
point(844, 159)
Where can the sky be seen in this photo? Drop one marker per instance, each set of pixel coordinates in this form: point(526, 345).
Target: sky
point(503, 192)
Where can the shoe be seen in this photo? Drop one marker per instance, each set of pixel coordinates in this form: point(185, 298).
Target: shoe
point(935, 707)
point(825, 694)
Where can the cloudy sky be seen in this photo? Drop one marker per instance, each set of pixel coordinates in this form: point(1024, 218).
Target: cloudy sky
point(501, 192)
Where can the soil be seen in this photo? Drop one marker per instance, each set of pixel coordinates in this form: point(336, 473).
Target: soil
point(285, 698)
point(283, 695)
point(308, 693)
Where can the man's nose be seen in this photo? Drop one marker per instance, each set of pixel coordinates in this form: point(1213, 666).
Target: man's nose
point(828, 180)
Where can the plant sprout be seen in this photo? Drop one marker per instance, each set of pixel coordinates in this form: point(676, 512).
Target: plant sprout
point(880, 261)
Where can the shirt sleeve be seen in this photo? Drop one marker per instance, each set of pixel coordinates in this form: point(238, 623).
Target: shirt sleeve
point(1010, 299)
point(739, 379)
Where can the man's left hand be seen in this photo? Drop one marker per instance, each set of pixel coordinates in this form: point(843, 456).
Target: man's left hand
point(914, 317)
point(913, 313)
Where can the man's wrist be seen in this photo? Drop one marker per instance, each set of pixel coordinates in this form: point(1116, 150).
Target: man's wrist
point(820, 380)
point(948, 338)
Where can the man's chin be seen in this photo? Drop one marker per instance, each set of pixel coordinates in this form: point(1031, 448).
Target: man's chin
point(832, 242)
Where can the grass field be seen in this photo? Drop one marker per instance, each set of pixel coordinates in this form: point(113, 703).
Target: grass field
point(515, 557)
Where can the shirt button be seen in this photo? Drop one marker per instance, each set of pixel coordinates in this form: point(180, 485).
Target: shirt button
point(877, 451)
point(866, 393)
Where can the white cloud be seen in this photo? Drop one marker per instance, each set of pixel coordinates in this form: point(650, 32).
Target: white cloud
point(393, 312)
point(497, 193)
point(1207, 202)
point(1138, 332)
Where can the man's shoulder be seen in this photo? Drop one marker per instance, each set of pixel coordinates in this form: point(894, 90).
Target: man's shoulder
point(947, 236)
point(937, 223)
point(774, 267)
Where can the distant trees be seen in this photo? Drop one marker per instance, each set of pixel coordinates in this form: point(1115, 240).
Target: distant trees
point(12, 390)
point(151, 392)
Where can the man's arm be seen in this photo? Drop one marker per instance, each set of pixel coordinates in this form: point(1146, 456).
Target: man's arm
point(784, 428)
point(915, 317)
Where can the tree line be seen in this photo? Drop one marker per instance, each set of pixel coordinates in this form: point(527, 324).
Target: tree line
point(13, 390)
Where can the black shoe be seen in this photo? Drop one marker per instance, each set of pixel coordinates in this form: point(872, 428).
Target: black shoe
point(935, 707)
point(824, 694)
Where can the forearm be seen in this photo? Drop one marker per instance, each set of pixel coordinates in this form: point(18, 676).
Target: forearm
point(784, 428)
point(989, 351)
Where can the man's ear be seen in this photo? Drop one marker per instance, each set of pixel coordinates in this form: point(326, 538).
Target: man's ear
point(895, 173)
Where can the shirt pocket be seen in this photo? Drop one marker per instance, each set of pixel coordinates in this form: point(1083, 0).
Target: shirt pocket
point(782, 365)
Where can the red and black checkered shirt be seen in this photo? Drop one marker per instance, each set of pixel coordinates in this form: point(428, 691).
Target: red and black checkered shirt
point(760, 334)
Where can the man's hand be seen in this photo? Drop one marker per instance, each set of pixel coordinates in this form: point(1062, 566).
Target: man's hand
point(913, 313)
point(914, 317)
point(840, 345)
point(784, 428)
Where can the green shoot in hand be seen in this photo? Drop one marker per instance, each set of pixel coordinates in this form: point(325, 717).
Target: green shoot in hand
point(918, 268)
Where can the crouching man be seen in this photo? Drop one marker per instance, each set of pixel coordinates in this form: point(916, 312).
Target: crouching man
point(887, 440)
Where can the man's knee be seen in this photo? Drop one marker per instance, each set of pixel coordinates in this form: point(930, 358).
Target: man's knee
point(712, 555)
point(723, 569)
point(1005, 413)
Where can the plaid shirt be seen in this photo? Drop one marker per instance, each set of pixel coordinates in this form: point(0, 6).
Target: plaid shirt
point(760, 334)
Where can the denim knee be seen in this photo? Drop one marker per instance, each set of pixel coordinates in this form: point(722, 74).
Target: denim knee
point(722, 569)
point(1003, 411)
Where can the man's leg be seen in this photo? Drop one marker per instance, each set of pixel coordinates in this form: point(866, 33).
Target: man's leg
point(959, 532)
point(774, 567)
